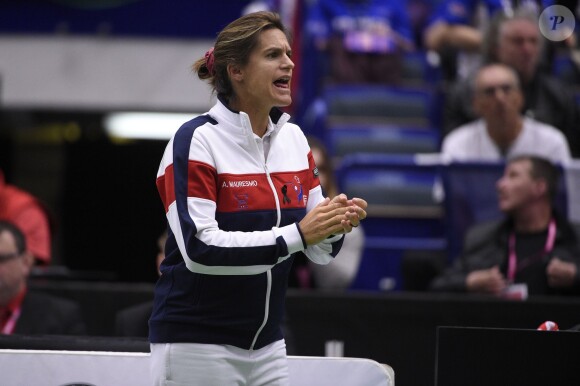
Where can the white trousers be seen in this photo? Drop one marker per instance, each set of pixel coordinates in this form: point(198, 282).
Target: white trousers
point(193, 364)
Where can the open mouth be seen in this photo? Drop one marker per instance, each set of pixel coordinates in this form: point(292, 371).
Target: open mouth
point(283, 82)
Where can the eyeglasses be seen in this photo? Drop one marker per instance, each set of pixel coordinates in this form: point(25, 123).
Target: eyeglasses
point(4, 257)
point(490, 91)
point(521, 40)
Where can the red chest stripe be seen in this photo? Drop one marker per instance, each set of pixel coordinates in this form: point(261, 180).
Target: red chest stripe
point(234, 193)
point(253, 192)
point(244, 192)
point(200, 183)
point(201, 180)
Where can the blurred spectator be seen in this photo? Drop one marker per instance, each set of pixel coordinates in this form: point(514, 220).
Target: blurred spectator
point(420, 13)
point(502, 131)
point(456, 28)
point(341, 273)
point(23, 311)
point(363, 40)
point(454, 22)
point(30, 215)
point(517, 42)
point(134, 321)
point(534, 250)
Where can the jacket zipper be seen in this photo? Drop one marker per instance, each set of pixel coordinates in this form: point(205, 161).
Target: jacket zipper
point(266, 307)
point(268, 272)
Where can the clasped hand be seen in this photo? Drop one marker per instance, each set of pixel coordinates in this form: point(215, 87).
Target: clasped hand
point(332, 217)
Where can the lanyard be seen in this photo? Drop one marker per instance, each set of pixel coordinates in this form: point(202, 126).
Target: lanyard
point(512, 258)
point(11, 322)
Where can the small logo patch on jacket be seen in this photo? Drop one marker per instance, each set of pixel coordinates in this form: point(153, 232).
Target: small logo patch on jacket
point(293, 189)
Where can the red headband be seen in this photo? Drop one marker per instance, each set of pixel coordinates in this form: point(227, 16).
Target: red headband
point(209, 59)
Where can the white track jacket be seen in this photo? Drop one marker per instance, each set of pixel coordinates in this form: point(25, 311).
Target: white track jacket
point(233, 227)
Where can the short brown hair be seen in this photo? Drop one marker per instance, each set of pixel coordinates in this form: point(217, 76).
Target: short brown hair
point(234, 45)
point(492, 34)
point(544, 169)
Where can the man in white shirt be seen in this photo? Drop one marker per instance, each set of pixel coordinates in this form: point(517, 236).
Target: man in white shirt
point(502, 131)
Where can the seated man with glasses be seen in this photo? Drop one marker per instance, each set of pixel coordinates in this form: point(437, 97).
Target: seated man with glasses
point(516, 41)
point(502, 131)
point(23, 311)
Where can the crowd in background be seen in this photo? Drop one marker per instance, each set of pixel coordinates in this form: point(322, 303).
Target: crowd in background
point(505, 88)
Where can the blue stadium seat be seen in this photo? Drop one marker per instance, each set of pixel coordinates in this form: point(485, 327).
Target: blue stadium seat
point(401, 106)
point(418, 70)
point(381, 139)
point(470, 197)
point(402, 213)
point(347, 106)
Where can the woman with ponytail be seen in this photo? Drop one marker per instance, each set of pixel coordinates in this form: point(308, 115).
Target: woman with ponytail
point(242, 196)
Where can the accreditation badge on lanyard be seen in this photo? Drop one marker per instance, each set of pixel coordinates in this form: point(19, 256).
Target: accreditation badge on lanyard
point(11, 322)
point(520, 290)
